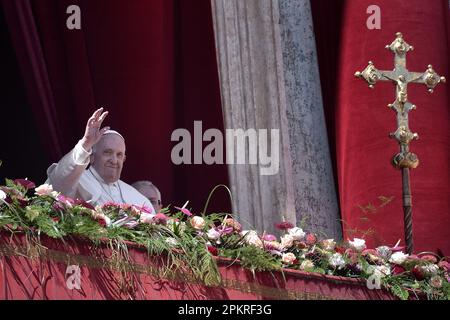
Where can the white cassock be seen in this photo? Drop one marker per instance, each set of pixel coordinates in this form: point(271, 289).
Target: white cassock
point(70, 177)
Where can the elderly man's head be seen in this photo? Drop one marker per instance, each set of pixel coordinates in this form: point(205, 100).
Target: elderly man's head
point(150, 191)
point(108, 156)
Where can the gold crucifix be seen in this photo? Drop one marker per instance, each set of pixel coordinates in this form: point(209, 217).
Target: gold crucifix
point(400, 76)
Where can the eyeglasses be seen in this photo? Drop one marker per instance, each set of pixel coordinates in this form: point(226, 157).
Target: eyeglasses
point(155, 202)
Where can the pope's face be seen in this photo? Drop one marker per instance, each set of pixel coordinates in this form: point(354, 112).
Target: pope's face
point(108, 157)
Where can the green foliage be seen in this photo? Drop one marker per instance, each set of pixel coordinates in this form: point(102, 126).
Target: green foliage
point(400, 292)
point(178, 247)
point(253, 258)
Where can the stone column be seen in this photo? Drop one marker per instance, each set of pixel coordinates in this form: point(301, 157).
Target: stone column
point(254, 50)
point(252, 88)
point(315, 194)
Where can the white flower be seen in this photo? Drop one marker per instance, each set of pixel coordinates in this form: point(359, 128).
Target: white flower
point(107, 220)
point(329, 244)
point(198, 222)
point(172, 241)
point(97, 216)
point(358, 244)
point(381, 271)
point(2, 195)
point(55, 195)
point(44, 190)
point(213, 234)
point(306, 265)
point(273, 246)
point(297, 233)
point(244, 233)
point(384, 252)
point(275, 252)
point(288, 258)
point(398, 257)
point(252, 238)
point(436, 282)
point(136, 211)
point(287, 241)
point(146, 217)
point(430, 269)
point(337, 261)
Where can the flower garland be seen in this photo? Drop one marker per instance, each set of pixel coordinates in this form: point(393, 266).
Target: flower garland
point(190, 241)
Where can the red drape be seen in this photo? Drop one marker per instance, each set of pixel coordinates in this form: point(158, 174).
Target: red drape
point(150, 63)
point(363, 122)
point(52, 276)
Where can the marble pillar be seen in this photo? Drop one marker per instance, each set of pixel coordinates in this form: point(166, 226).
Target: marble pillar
point(316, 202)
point(269, 80)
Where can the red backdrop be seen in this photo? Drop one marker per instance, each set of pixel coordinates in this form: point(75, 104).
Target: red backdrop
point(151, 64)
point(363, 122)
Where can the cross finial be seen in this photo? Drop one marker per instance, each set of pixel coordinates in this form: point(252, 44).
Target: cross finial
point(400, 76)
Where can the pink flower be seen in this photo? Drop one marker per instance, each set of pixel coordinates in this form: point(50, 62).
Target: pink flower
point(43, 190)
point(135, 211)
point(66, 200)
point(447, 276)
point(311, 239)
point(284, 225)
point(273, 246)
point(397, 249)
point(160, 218)
point(224, 230)
point(146, 209)
point(269, 237)
point(429, 258)
point(444, 265)
point(111, 204)
point(185, 211)
point(27, 184)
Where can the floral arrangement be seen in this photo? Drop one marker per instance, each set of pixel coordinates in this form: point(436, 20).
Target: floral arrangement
point(191, 241)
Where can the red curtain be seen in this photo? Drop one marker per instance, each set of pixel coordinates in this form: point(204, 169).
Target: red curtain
point(363, 122)
point(151, 64)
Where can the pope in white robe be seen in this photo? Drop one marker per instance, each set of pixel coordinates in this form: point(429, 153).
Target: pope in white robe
point(91, 170)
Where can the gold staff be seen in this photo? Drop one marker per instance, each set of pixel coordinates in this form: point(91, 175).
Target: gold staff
point(403, 160)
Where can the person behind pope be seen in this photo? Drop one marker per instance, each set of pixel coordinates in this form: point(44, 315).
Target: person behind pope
point(91, 170)
point(150, 191)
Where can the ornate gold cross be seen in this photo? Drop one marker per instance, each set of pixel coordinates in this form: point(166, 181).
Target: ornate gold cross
point(403, 160)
